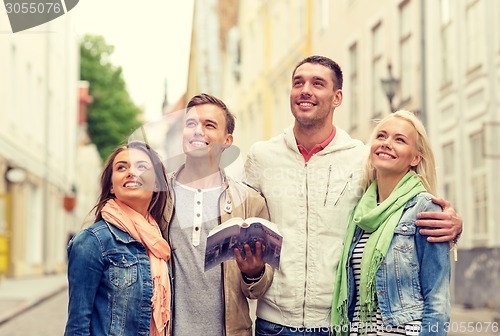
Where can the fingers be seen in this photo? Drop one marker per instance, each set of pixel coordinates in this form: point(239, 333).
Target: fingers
point(252, 263)
point(239, 258)
point(429, 216)
point(441, 202)
point(441, 239)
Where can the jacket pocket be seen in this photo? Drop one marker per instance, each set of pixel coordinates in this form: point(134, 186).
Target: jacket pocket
point(123, 269)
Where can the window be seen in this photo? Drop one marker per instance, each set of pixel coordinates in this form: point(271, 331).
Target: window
point(13, 113)
point(322, 19)
point(407, 52)
point(449, 173)
point(377, 71)
point(479, 186)
point(474, 34)
point(445, 42)
point(354, 92)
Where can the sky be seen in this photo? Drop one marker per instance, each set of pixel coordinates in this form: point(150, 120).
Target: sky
point(151, 40)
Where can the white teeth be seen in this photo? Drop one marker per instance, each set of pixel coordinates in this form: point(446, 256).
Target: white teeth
point(306, 104)
point(132, 185)
point(198, 143)
point(385, 155)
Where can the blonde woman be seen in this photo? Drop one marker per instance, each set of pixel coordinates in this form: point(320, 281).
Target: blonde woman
point(390, 279)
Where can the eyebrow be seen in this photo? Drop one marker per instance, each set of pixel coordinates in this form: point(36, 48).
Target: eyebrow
point(121, 162)
point(397, 134)
point(314, 78)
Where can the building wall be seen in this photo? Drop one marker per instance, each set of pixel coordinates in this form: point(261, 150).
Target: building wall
point(271, 45)
point(455, 84)
point(38, 103)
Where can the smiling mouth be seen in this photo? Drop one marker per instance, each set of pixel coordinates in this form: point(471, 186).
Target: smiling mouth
point(305, 104)
point(198, 143)
point(132, 184)
point(385, 156)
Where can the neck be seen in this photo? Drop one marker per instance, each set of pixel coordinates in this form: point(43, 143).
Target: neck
point(310, 137)
point(386, 184)
point(202, 174)
point(140, 207)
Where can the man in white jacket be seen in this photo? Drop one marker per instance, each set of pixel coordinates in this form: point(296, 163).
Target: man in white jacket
point(310, 177)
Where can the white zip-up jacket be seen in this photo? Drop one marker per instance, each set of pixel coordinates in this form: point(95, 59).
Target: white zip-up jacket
point(311, 203)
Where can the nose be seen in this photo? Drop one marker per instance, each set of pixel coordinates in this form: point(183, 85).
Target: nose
point(132, 171)
point(198, 129)
point(386, 143)
point(306, 89)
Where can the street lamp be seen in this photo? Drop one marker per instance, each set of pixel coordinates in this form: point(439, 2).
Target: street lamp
point(390, 85)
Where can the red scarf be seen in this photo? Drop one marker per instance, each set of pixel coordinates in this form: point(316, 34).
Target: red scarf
point(146, 231)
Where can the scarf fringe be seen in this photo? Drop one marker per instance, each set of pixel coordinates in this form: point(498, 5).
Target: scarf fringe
point(368, 308)
point(161, 309)
point(341, 322)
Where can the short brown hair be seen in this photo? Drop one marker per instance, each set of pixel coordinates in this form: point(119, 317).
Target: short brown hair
point(326, 62)
point(205, 98)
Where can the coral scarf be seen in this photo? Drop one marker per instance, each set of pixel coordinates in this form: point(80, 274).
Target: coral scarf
point(146, 231)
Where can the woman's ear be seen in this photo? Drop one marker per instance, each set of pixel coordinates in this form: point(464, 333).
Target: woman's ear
point(416, 160)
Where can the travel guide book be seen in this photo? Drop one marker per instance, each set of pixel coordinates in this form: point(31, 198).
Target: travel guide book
point(236, 232)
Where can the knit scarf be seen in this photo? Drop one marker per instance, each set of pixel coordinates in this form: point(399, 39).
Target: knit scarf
point(380, 221)
point(146, 231)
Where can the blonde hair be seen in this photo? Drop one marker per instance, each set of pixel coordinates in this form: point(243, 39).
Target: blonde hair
point(425, 169)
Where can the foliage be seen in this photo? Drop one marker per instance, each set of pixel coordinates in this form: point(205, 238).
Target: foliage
point(112, 116)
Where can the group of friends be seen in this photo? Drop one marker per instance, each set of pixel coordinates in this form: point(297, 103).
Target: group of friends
point(366, 245)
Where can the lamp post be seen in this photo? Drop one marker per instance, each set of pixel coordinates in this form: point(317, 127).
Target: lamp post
point(390, 85)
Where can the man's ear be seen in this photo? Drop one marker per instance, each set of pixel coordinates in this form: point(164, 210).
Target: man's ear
point(229, 140)
point(337, 98)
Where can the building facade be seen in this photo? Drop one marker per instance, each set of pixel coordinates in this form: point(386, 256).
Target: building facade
point(38, 134)
point(446, 56)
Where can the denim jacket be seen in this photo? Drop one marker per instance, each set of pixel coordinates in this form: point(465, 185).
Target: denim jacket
point(413, 281)
point(110, 283)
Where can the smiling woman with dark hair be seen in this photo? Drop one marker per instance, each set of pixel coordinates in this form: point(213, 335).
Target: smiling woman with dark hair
point(118, 273)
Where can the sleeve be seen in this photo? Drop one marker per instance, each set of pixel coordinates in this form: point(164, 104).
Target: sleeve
point(85, 270)
point(257, 289)
point(252, 169)
point(435, 272)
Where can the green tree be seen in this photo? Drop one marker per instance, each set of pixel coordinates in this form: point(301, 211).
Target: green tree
point(112, 116)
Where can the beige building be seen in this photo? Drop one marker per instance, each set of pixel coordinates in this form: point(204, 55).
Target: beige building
point(446, 56)
point(38, 122)
point(273, 36)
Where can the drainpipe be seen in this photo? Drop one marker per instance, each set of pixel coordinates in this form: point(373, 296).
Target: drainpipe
point(423, 66)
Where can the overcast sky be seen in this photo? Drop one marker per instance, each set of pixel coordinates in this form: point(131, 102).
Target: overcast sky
point(151, 40)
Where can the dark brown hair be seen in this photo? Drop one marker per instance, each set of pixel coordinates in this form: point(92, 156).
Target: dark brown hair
point(324, 61)
point(159, 200)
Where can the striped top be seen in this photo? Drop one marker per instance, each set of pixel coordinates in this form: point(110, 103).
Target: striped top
point(374, 326)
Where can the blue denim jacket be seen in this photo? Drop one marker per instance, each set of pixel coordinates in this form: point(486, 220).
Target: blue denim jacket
point(110, 283)
point(413, 281)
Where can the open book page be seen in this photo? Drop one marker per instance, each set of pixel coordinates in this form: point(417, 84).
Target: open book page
point(236, 232)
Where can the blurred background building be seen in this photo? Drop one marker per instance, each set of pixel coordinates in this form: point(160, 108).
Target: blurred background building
point(439, 59)
point(49, 166)
point(38, 133)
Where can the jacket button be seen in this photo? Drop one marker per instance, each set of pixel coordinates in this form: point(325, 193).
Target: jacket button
point(404, 228)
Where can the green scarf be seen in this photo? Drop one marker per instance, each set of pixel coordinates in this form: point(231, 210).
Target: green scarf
point(380, 221)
